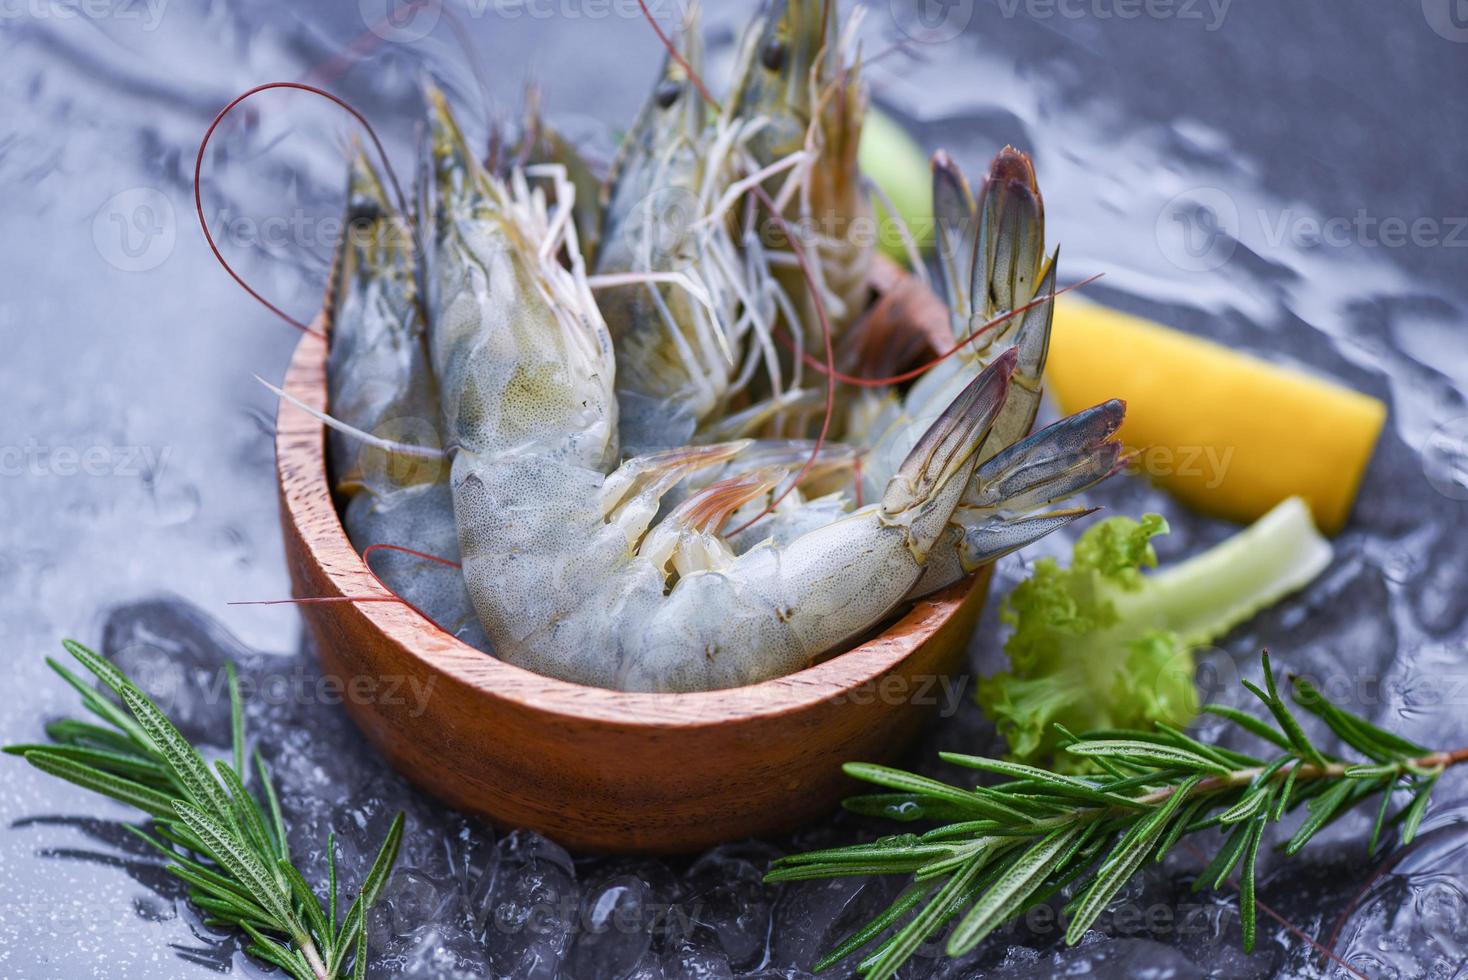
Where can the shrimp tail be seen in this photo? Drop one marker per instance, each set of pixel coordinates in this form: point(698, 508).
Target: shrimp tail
point(955, 215)
point(1056, 463)
point(1031, 346)
point(1059, 461)
point(1010, 238)
point(990, 542)
point(915, 494)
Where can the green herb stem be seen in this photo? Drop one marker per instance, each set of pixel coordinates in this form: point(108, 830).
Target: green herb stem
point(214, 832)
point(1000, 849)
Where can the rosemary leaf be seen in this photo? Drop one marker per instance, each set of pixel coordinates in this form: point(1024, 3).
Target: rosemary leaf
point(1415, 811)
point(236, 718)
point(282, 845)
point(1321, 809)
point(1007, 894)
point(922, 925)
point(215, 835)
point(1248, 723)
point(1004, 848)
point(905, 902)
point(1135, 750)
point(923, 786)
point(1248, 911)
point(1117, 869)
point(120, 788)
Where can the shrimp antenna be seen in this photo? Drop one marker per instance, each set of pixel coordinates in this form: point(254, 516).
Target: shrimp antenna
point(366, 554)
point(673, 53)
point(367, 438)
point(199, 167)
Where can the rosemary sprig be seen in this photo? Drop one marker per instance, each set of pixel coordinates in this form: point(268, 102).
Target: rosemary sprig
point(231, 851)
point(1005, 848)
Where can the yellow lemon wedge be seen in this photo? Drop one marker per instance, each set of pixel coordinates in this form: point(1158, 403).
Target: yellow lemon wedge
point(1227, 433)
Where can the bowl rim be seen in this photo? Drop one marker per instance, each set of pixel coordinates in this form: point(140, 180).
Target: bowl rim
point(307, 504)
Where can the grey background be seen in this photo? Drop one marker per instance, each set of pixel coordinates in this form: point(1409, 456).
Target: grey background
point(136, 447)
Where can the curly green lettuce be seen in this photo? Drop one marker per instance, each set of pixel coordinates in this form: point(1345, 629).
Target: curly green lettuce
point(1102, 645)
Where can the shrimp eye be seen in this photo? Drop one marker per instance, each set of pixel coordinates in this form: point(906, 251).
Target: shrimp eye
point(364, 213)
point(772, 55)
point(667, 94)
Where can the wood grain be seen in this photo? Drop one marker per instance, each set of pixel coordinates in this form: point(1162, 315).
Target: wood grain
point(595, 769)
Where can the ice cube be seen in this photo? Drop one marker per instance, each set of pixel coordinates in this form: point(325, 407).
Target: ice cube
point(812, 917)
point(613, 931)
point(690, 961)
point(177, 654)
point(528, 918)
point(728, 897)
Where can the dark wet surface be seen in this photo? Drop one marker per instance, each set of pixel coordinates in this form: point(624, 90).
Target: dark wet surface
point(137, 454)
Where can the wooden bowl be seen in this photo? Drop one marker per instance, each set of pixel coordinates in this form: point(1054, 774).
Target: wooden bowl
point(595, 769)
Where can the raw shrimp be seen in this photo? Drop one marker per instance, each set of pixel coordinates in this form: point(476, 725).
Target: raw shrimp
point(553, 545)
point(685, 349)
point(796, 78)
point(380, 382)
point(674, 360)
